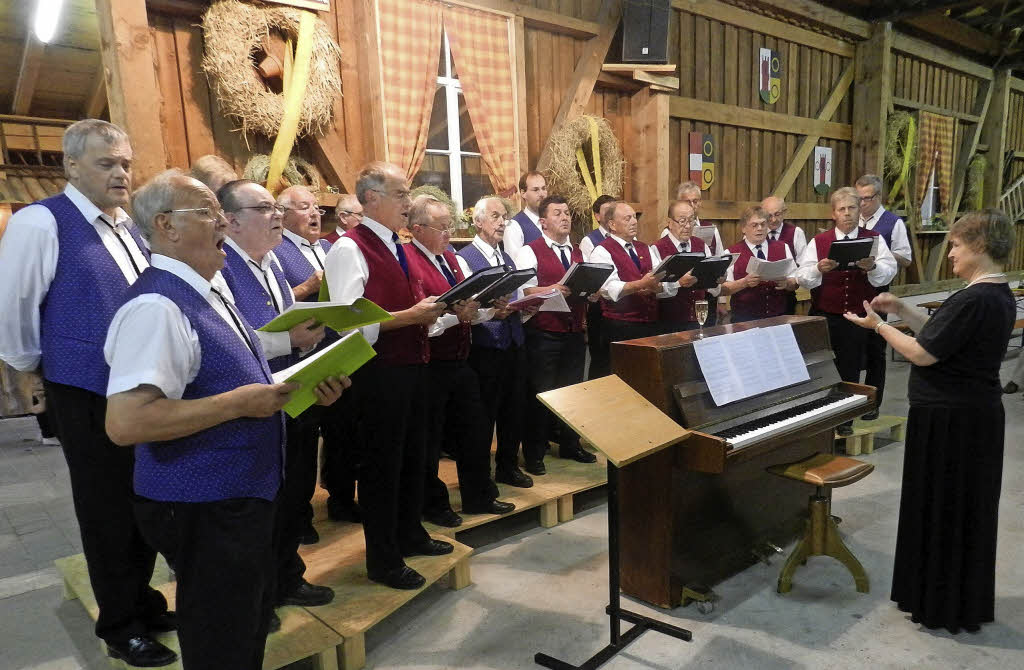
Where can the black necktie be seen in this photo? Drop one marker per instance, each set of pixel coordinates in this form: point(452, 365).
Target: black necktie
point(237, 322)
point(269, 290)
point(401, 254)
point(501, 257)
point(760, 254)
point(445, 271)
point(313, 251)
point(632, 254)
point(771, 235)
point(684, 247)
point(131, 259)
point(565, 259)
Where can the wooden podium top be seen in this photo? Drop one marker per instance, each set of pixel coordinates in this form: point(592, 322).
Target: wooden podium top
point(617, 420)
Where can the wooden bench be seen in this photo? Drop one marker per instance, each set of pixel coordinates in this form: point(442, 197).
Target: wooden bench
point(863, 438)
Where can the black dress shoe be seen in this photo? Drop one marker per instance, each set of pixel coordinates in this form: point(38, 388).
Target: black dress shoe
point(274, 624)
point(870, 416)
point(1011, 387)
point(579, 454)
point(845, 430)
point(344, 511)
point(536, 468)
point(402, 577)
point(513, 478)
point(310, 536)
point(308, 595)
point(447, 518)
point(431, 547)
point(492, 507)
point(164, 623)
point(143, 652)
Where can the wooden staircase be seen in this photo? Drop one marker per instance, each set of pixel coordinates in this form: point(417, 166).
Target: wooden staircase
point(1012, 201)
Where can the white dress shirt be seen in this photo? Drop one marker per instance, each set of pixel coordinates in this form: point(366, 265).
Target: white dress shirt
point(809, 276)
point(314, 253)
point(799, 239)
point(150, 340)
point(28, 263)
point(527, 260)
point(587, 247)
point(613, 286)
point(514, 239)
point(274, 344)
point(731, 276)
point(718, 239)
point(445, 321)
point(900, 239)
point(347, 271)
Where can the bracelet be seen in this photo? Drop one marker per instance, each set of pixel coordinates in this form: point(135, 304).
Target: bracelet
point(880, 324)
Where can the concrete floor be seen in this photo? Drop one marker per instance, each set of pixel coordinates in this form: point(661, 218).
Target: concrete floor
point(539, 589)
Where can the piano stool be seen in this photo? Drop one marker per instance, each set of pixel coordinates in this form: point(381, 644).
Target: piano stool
point(821, 537)
point(863, 438)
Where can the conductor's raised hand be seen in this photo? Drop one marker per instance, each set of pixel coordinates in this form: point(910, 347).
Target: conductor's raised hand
point(827, 265)
point(886, 302)
point(687, 280)
point(329, 390)
point(261, 400)
point(306, 335)
point(869, 320)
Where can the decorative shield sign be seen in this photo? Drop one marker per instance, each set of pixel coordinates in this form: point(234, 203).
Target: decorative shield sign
point(822, 170)
point(770, 67)
point(702, 160)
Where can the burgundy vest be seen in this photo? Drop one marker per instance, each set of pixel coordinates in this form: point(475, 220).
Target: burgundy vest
point(452, 344)
point(763, 300)
point(679, 308)
point(786, 236)
point(389, 288)
point(639, 308)
point(841, 291)
point(549, 271)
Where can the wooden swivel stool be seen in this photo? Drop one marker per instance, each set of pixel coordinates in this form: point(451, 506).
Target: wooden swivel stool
point(825, 471)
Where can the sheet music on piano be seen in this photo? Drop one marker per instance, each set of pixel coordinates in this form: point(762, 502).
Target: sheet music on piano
point(751, 362)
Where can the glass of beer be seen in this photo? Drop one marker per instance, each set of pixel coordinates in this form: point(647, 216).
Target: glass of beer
point(700, 309)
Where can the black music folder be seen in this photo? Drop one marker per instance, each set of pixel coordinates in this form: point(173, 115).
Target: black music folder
point(709, 270)
point(848, 252)
point(583, 279)
point(471, 285)
point(677, 265)
point(509, 283)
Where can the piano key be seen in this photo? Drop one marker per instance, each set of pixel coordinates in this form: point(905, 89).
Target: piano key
point(755, 431)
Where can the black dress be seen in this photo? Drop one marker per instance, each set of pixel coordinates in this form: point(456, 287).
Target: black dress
point(944, 572)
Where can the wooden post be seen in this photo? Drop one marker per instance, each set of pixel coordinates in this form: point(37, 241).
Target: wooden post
point(374, 131)
point(993, 133)
point(519, 47)
point(650, 159)
point(131, 81)
point(28, 74)
point(872, 95)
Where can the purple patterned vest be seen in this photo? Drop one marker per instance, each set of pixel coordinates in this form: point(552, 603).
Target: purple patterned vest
point(885, 226)
point(297, 268)
point(87, 289)
point(496, 333)
point(596, 237)
point(530, 229)
point(253, 300)
point(242, 458)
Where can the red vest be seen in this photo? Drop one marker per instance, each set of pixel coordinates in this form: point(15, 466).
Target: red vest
point(679, 308)
point(389, 288)
point(452, 344)
point(639, 308)
point(841, 291)
point(763, 300)
point(549, 271)
point(786, 235)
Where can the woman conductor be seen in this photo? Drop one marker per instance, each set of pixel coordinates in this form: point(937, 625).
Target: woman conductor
point(944, 572)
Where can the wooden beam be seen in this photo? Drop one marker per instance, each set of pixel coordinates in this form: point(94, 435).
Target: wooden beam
point(375, 131)
point(542, 19)
point(994, 133)
point(660, 81)
point(585, 76)
point(609, 80)
point(96, 102)
point(730, 210)
point(803, 152)
point(131, 81)
point(913, 104)
point(965, 37)
point(632, 67)
point(925, 8)
point(871, 100)
point(330, 154)
point(935, 54)
point(522, 123)
point(1017, 84)
point(743, 117)
point(741, 18)
point(28, 74)
point(807, 10)
point(650, 146)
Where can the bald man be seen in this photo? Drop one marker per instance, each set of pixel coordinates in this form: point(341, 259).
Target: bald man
point(792, 236)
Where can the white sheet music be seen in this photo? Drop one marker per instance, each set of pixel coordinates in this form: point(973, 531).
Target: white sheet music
point(771, 270)
point(749, 363)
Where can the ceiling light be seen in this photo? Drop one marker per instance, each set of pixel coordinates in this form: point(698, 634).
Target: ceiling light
point(47, 16)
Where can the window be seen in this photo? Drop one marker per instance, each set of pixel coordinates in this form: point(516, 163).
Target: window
point(930, 204)
point(452, 161)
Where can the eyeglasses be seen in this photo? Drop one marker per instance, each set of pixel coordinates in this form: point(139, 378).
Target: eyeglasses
point(306, 210)
point(397, 195)
point(777, 215)
point(345, 212)
point(446, 229)
point(263, 209)
point(214, 214)
point(682, 221)
point(866, 198)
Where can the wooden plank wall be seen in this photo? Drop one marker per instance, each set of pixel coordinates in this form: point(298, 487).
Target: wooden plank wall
point(1015, 135)
point(718, 63)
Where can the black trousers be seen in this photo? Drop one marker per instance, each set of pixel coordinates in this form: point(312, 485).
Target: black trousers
point(618, 330)
point(340, 461)
point(390, 404)
point(874, 363)
point(501, 374)
point(225, 566)
point(457, 421)
point(45, 424)
point(554, 360)
point(119, 560)
point(293, 513)
point(666, 327)
point(849, 343)
point(597, 343)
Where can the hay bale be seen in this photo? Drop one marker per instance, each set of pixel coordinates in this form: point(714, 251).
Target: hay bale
point(233, 32)
point(564, 177)
point(297, 172)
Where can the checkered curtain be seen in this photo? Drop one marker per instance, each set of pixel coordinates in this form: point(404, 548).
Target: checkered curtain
point(935, 135)
point(410, 44)
point(480, 51)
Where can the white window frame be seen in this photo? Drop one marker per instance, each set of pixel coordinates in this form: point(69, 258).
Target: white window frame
point(453, 89)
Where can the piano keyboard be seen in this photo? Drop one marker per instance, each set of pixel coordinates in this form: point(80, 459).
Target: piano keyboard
point(795, 416)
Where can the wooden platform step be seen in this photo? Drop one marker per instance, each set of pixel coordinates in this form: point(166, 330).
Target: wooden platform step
point(863, 438)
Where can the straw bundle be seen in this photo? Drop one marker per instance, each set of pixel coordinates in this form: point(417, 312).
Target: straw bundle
point(298, 172)
point(565, 177)
point(233, 32)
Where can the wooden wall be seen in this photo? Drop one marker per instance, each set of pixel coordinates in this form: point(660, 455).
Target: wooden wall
point(1015, 135)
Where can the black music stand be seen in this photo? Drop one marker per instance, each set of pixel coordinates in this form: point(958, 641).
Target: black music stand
point(637, 431)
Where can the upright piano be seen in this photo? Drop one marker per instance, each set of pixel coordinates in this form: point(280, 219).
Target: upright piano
point(695, 513)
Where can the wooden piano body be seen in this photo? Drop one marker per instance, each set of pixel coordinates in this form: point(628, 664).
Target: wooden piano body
point(695, 512)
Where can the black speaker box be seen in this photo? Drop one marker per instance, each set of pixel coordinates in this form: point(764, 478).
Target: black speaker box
point(645, 31)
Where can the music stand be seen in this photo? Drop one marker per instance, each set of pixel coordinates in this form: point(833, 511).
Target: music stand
point(636, 431)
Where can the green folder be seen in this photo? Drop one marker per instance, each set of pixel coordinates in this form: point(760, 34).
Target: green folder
point(325, 292)
point(336, 316)
point(340, 358)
